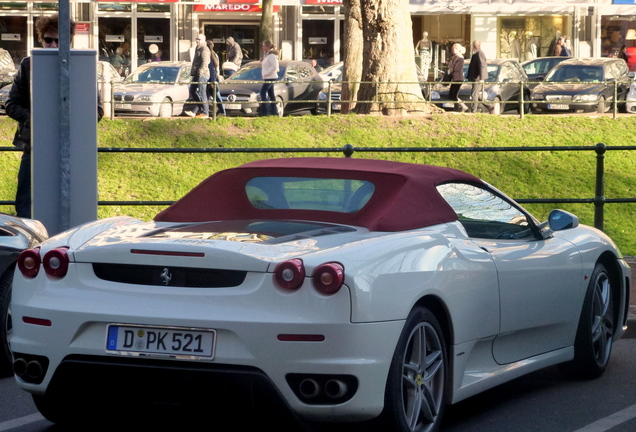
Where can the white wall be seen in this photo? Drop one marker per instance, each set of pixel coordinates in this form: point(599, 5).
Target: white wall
point(484, 29)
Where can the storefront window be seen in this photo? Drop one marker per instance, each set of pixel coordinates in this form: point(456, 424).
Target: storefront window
point(13, 37)
point(152, 7)
point(114, 43)
point(526, 38)
point(616, 32)
point(13, 6)
point(318, 38)
point(153, 39)
point(49, 6)
point(323, 10)
point(247, 36)
point(119, 7)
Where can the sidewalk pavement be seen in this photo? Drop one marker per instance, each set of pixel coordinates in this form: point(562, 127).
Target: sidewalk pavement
point(631, 319)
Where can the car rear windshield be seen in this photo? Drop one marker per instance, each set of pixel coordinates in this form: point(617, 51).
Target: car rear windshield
point(300, 193)
point(576, 73)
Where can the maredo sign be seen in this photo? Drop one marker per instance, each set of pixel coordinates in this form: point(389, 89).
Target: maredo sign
point(230, 7)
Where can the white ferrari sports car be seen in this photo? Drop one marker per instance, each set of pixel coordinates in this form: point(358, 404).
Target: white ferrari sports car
point(317, 290)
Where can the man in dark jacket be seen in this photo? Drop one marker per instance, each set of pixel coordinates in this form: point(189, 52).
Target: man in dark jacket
point(18, 107)
point(234, 54)
point(477, 74)
point(200, 75)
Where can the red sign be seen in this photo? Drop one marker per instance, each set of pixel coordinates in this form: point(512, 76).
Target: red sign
point(83, 28)
point(323, 2)
point(146, 1)
point(241, 1)
point(230, 7)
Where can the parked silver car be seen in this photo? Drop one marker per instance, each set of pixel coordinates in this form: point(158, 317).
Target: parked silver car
point(157, 89)
point(502, 87)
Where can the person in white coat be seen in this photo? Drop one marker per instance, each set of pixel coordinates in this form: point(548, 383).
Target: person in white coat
point(269, 68)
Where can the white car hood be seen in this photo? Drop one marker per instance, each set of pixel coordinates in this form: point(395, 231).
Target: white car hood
point(143, 89)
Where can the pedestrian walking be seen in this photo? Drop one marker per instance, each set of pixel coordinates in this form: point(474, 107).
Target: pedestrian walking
point(234, 57)
point(456, 74)
point(269, 69)
point(477, 74)
point(198, 99)
point(214, 80)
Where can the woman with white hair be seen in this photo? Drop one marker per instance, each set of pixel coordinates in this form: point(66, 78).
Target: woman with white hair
point(456, 72)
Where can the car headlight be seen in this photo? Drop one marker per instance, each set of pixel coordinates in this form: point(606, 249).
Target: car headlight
point(254, 97)
point(537, 96)
point(435, 95)
point(585, 98)
point(322, 96)
point(145, 98)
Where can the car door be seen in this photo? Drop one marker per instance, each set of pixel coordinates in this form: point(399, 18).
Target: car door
point(301, 87)
point(510, 82)
point(540, 280)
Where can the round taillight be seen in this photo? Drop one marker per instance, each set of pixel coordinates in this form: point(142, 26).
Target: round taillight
point(55, 262)
point(290, 274)
point(29, 262)
point(329, 277)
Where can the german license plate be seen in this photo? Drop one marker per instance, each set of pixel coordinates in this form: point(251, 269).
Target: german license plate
point(448, 105)
point(335, 107)
point(558, 106)
point(160, 341)
point(233, 106)
point(123, 106)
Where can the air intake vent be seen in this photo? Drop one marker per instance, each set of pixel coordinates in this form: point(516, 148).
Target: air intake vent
point(169, 276)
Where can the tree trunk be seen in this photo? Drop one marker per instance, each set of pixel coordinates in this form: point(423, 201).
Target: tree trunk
point(266, 23)
point(389, 78)
point(352, 41)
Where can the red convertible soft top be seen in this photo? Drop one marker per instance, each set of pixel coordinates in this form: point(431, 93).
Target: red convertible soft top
point(405, 194)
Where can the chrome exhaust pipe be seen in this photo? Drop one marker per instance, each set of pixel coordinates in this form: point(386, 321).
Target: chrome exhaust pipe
point(335, 388)
point(34, 369)
point(308, 388)
point(19, 367)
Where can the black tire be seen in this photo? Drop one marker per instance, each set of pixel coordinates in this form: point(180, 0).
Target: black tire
point(416, 385)
point(6, 360)
point(527, 109)
point(595, 333)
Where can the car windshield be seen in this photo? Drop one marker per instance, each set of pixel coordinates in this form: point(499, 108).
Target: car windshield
point(252, 72)
point(153, 74)
point(492, 72)
point(576, 73)
point(300, 193)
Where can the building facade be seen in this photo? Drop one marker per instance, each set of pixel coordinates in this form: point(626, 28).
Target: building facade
point(131, 33)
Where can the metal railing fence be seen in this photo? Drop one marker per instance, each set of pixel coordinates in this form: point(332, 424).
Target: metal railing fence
point(598, 200)
point(428, 89)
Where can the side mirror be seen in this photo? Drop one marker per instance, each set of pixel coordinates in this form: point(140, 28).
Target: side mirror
point(562, 220)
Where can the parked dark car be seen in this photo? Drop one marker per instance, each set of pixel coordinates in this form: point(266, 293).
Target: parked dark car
point(583, 85)
point(297, 88)
point(502, 87)
point(537, 69)
point(16, 235)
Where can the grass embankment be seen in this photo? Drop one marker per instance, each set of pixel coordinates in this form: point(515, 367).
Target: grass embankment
point(546, 174)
